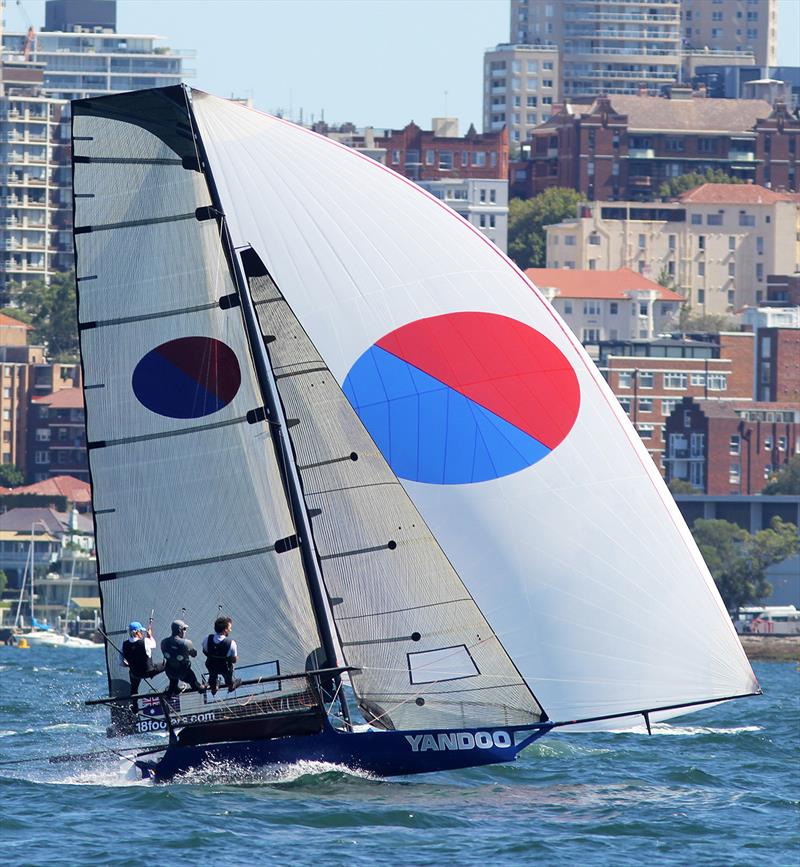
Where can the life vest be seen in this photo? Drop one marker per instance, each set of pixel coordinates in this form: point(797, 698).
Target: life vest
point(135, 654)
point(176, 654)
point(218, 661)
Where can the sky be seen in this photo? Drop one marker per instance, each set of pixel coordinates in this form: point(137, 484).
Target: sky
point(380, 63)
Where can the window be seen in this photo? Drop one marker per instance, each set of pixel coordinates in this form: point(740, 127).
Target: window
point(613, 307)
point(746, 219)
point(464, 158)
point(429, 157)
point(6, 415)
point(643, 308)
point(625, 403)
point(667, 407)
point(760, 272)
point(594, 239)
point(590, 335)
point(43, 434)
point(569, 240)
point(731, 269)
point(713, 219)
point(646, 379)
point(591, 308)
point(760, 245)
point(625, 379)
point(483, 221)
point(734, 474)
point(547, 82)
point(445, 159)
point(532, 102)
point(701, 269)
point(642, 241)
point(767, 443)
point(697, 379)
point(781, 444)
point(479, 158)
point(530, 117)
point(701, 242)
point(735, 445)
point(492, 195)
point(548, 65)
point(671, 241)
point(767, 471)
point(533, 66)
point(675, 380)
point(701, 296)
point(706, 145)
point(491, 221)
point(567, 308)
point(645, 431)
point(42, 457)
point(731, 242)
point(697, 219)
point(395, 157)
point(645, 404)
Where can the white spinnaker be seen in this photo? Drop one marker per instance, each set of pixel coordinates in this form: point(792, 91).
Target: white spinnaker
point(581, 563)
point(186, 509)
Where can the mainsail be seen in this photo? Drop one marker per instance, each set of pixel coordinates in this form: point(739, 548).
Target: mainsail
point(188, 498)
point(575, 553)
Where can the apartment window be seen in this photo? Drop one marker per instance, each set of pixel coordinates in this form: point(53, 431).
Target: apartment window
point(701, 269)
point(645, 404)
point(445, 159)
point(548, 65)
point(701, 242)
point(42, 434)
point(716, 16)
point(781, 444)
point(668, 406)
point(533, 66)
point(6, 415)
point(731, 242)
point(697, 219)
point(590, 335)
point(697, 379)
point(491, 221)
point(767, 443)
point(671, 241)
point(625, 379)
point(717, 382)
point(768, 470)
point(674, 144)
point(483, 221)
point(731, 269)
point(759, 272)
point(591, 308)
point(735, 445)
point(479, 158)
point(706, 145)
point(42, 457)
point(760, 245)
point(569, 240)
point(430, 155)
point(746, 219)
point(567, 308)
point(701, 296)
point(613, 308)
point(642, 241)
point(594, 239)
point(531, 117)
point(645, 431)
point(734, 474)
point(546, 100)
point(6, 393)
point(625, 403)
point(646, 379)
point(713, 219)
point(492, 195)
point(532, 102)
point(671, 269)
point(592, 264)
point(547, 82)
point(395, 157)
point(716, 32)
point(643, 308)
point(464, 158)
point(675, 380)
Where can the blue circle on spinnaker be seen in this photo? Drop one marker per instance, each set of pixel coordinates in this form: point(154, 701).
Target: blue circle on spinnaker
point(189, 377)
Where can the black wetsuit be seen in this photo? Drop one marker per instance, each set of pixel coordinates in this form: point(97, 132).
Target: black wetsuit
point(140, 665)
point(177, 666)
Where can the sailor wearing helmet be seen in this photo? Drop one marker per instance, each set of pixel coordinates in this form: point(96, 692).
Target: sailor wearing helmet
point(137, 656)
point(177, 651)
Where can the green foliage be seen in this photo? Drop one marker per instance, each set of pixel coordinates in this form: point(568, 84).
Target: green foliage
point(53, 314)
point(683, 183)
point(17, 313)
point(738, 559)
point(688, 320)
point(10, 476)
point(787, 480)
point(527, 219)
point(681, 486)
point(3, 582)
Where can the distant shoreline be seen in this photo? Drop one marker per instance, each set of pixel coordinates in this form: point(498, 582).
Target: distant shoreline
point(774, 648)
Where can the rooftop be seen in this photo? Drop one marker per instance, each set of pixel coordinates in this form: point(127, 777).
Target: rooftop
point(734, 408)
point(64, 398)
point(734, 194)
point(75, 490)
point(612, 285)
point(11, 322)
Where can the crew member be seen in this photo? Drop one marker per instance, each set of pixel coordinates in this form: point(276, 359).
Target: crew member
point(221, 655)
point(137, 656)
point(177, 650)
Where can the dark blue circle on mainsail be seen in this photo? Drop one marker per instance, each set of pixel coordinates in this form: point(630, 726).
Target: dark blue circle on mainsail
point(187, 378)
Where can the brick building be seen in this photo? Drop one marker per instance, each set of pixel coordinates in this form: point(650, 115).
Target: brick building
point(440, 153)
point(624, 147)
point(778, 365)
point(57, 436)
point(730, 447)
point(651, 377)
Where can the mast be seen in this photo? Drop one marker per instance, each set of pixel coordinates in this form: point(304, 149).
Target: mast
point(276, 420)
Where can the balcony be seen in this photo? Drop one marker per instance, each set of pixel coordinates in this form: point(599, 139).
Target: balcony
point(641, 153)
point(742, 156)
point(640, 181)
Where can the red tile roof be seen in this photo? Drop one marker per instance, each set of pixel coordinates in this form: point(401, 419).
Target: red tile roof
point(10, 322)
point(613, 285)
point(733, 194)
point(73, 489)
point(64, 398)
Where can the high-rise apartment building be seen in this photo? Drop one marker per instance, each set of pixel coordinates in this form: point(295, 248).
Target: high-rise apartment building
point(607, 46)
point(521, 85)
point(634, 46)
point(732, 25)
point(39, 74)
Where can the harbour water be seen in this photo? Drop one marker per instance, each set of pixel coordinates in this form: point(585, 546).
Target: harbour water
point(721, 786)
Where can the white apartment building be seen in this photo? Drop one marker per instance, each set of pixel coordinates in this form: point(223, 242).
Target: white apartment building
point(608, 305)
point(482, 202)
point(748, 26)
point(521, 83)
point(716, 244)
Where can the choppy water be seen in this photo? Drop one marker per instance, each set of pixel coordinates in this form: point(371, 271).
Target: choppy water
point(719, 787)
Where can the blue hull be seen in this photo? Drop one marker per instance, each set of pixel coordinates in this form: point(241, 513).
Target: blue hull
point(384, 754)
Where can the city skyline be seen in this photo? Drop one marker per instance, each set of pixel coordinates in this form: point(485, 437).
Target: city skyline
point(343, 66)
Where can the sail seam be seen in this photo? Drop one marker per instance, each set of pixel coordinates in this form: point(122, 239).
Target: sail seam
point(127, 224)
point(401, 610)
point(301, 372)
point(149, 570)
point(125, 320)
point(124, 441)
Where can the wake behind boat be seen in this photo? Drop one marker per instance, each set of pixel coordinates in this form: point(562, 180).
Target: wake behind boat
point(320, 401)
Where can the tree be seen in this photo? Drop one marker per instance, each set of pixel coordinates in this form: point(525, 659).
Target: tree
point(3, 582)
point(681, 486)
point(738, 560)
point(787, 480)
point(688, 320)
point(10, 476)
point(527, 219)
point(683, 183)
point(53, 314)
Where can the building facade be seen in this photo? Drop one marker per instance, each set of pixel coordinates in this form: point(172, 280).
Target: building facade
point(482, 203)
point(726, 447)
point(608, 305)
point(57, 436)
point(778, 365)
point(716, 244)
point(39, 74)
point(650, 378)
point(521, 84)
point(626, 147)
point(741, 26)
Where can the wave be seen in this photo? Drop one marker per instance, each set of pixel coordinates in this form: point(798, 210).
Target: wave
point(686, 731)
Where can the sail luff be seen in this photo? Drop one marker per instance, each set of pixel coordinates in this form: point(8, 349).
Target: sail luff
point(276, 418)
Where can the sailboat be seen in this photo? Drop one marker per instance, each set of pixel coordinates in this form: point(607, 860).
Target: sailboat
point(321, 402)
